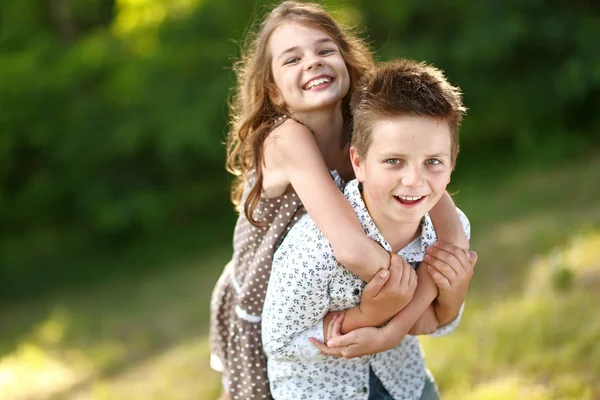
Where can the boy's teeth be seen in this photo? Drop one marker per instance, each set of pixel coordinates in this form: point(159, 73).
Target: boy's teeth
point(317, 82)
point(408, 198)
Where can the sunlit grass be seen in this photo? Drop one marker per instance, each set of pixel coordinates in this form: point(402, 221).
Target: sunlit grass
point(530, 331)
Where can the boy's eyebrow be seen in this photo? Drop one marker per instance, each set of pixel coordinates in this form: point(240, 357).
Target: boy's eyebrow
point(434, 155)
point(294, 48)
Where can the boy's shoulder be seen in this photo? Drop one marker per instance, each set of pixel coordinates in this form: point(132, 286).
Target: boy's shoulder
point(306, 237)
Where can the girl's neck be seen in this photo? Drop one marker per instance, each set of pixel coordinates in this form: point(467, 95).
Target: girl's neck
point(327, 125)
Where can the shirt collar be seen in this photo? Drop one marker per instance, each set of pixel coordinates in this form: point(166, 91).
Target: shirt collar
point(414, 251)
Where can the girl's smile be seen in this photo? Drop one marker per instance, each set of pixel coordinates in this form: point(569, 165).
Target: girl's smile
point(307, 68)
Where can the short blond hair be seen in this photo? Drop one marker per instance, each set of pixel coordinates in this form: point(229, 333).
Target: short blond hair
point(405, 88)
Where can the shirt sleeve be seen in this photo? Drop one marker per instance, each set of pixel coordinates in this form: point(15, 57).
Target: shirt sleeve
point(297, 297)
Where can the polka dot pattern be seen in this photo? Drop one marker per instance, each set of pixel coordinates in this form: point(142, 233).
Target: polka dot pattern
point(238, 298)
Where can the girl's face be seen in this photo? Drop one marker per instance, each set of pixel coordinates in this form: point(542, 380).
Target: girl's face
point(307, 68)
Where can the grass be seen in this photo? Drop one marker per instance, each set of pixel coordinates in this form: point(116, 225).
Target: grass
point(530, 331)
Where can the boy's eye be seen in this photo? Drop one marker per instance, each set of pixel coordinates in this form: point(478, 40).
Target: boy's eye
point(291, 60)
point(433, 161)
point(393, 161)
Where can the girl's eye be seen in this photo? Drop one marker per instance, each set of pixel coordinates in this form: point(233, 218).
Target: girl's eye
point(326, 51)
point(433, 161)
point(291, 60)
point(392, 161)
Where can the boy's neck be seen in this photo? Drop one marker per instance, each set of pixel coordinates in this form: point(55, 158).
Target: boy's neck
point(397, 234)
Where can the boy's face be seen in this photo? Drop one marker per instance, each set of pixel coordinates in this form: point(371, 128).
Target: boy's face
point(405, 170)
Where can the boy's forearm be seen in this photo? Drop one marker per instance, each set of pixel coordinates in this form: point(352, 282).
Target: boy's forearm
point(447, 224)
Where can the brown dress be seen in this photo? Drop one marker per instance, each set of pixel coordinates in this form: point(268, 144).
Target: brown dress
point(237, 300)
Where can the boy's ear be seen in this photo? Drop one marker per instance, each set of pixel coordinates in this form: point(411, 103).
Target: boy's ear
point(357, 164)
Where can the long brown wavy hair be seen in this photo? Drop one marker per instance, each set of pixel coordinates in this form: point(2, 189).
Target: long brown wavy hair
point(256, 102)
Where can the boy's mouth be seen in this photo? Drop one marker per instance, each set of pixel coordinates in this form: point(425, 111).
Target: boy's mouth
point(409, 200)
point(318, 82)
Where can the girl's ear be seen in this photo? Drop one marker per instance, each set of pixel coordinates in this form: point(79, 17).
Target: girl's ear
point(357, 164)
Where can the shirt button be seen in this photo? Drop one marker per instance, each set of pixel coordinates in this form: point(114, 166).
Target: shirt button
point(365, 390)
point(356, 292)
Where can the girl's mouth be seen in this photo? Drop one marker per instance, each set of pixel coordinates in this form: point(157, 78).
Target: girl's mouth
point(319, 82)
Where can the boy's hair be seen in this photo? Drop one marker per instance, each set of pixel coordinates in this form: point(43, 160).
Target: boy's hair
point(257, 103)
point(405, 88)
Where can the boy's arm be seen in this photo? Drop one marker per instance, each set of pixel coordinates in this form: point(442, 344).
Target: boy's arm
point(370, 340)
point(297, 295)
point(382, 298)
point(451, 268)
point(291, 150)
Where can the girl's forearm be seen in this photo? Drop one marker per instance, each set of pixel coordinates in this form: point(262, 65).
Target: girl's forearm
point(361, 255)
point(401, 323)
point(447, 224)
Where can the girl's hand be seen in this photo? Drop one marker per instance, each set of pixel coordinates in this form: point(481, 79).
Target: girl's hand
point(358, 343)
point(331, 329)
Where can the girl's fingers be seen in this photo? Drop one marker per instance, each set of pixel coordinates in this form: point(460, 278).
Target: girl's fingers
point(342, 341)
point(336, 328)
point(326, 351)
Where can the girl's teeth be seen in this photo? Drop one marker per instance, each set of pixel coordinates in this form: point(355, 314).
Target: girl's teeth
point(317, 82)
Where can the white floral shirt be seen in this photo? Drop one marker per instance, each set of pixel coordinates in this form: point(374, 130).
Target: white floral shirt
point(306, 283)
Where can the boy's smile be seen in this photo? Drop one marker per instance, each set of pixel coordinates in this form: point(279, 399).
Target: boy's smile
point(307, 68)
point(405, 171)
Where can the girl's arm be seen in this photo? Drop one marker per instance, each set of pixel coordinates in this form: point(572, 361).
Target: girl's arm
point(447, 223)
point(292, 151)
point(371, 340)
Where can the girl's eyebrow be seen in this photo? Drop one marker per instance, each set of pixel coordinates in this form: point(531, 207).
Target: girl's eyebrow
point(294, 48)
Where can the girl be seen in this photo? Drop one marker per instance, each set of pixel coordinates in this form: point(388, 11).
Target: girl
point(291, 126)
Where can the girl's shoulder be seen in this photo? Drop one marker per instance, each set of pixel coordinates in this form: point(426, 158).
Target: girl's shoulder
point(289, 129)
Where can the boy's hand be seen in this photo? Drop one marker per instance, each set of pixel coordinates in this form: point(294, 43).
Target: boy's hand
point(451, 268)
point(380, 302)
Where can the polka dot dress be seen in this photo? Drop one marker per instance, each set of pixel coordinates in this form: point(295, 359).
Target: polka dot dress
point(237, 300)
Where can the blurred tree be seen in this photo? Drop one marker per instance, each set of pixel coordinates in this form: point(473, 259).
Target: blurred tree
point(113, 113)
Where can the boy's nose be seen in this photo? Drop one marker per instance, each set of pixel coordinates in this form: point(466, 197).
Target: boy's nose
point(413, 176)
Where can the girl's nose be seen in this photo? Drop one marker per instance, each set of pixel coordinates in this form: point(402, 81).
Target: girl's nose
point(314, 62)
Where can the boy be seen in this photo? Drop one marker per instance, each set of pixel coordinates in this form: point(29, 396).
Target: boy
point(404, 147)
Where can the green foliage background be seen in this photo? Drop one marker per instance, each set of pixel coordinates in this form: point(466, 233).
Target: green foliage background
point(112, 117)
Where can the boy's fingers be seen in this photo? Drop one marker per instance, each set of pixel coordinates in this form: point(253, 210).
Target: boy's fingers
point(375, 285)
point(443, 268)
point(473, 257)
point(440, 280)
point(449, 255)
